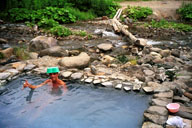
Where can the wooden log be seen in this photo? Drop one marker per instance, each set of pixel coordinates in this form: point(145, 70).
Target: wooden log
point(118, 27)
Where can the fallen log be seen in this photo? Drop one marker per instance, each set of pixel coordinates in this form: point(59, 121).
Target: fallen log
point(118, 27)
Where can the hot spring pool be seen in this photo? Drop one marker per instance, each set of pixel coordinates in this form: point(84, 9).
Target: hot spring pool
point(82, 106)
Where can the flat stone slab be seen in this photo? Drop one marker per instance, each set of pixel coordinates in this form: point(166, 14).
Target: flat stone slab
point(164, 95)
point(159, 102)
point(182, 99)
point(157, 110)
point(155, 118)
point(186, 109)
point(151, 125)
point(148, 89)
point(126, 88)
point(188, 122)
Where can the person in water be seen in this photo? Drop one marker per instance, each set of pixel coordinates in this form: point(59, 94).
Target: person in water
point(54, 81)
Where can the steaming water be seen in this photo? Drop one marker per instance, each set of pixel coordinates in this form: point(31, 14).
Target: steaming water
point(82, 106)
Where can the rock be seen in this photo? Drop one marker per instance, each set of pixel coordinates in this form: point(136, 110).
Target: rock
point(4, 76)
point(155, 118)
point(41, 42)
point(161, 89)
point(80, 61)
point(126, 88)
point(136, 87)
point(157, 110)
point(55, 51)
point(148, 89)
point(107, 60)
point(2, 82)
point(89, 80)
point(141, 43)
point(182, 99)
point(13, 72)
point(40, 70)
point(153, 84)
point(148, 72)
point(155, 54)
point(66, 74)
point(33, 55)
point(3, 41)
point(161, 76)
point(74, 52)
point(118, 86)
point(165, 53)
point(29, 67)
point(105, 46)
point(107, 84)
point(19, 66)
point(7, 53)
point(45, 61)
point(164, 95)
point(135, 50)
point(159, 102)
point(97, 81)
point(175, 52)
point(153, 49)
point(76, 76)
point(151, 125)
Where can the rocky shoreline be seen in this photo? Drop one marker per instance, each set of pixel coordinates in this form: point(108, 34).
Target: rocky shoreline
point(152, 70)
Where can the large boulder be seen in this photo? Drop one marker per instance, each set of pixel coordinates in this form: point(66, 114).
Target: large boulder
point(80, 61)
point(55, 51)
point(42, 42)
point(7, 53)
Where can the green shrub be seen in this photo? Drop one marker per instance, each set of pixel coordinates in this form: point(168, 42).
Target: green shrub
point(80, 33)
point(138, 12)
point(47, 23)
point(60, 31)
point(122, 59)
point(186, 11)
point(81, 15)
point(19, 14)
point(170, 25)
point(21, 53)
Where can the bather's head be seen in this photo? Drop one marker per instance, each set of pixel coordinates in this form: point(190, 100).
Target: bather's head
point(53, 73)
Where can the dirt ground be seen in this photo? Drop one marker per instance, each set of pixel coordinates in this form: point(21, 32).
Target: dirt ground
point(161, 9)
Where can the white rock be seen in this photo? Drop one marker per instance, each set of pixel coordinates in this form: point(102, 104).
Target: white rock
point(96, 81)
point(66, 74)
point(126, 88)
point(4, 76)
point(89, 80)
point(13, 72)
point(29, 67)
point(118, 86)
point(107, 84)
point(77, 75)
point(136, 87)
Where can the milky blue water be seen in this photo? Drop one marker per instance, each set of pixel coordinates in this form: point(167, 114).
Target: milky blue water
point(82, 106)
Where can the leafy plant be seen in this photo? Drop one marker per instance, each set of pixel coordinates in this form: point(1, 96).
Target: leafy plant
point(122, 58)
point(171, 75)
point(60, 31)
point(170, 25)
point(186, 11)
point(21, 53)
point(19, 14)
point(80, 33)
point(47, 23)
point(137, 12)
